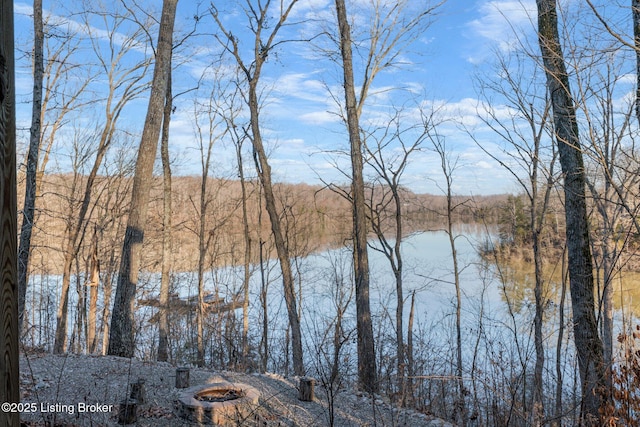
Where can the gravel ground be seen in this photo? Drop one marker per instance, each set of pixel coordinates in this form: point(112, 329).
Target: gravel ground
point(59, 390)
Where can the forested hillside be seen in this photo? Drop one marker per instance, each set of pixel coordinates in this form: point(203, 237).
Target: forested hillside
point(317, 218)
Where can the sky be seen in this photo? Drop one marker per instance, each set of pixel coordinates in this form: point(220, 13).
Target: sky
point(300, 125)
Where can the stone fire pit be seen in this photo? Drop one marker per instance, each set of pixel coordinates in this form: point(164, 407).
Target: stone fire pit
point(221, 403)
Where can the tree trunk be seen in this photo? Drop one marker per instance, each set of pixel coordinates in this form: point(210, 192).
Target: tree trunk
point(94, 282)
point(410, 363)
point(9, 370)
point(81, 311)
point(252, 72)
point(204, 237)
point(76, 235)
point(635, 9)
point(559, 371)
point(60, 341)
point(106, 313)
point(608, 257)
point(398, 272)
point(536, 222)
point(460, 404)
point(367, 372)
point(264, 173)
point(165, 281)
point(247, 257)
point(538, 395)
point(202, 247)
point(28, 211)
point(121, 340)
point(264, 286)
point(588, 344)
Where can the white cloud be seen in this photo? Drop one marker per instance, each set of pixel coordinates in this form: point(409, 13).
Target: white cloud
point(319, 118)
point(293, 144)
point(502, 23)
point(627, 79)
point(23, 9)
point(302, 86)
point(482, 164)
point(311, 7)
point(73, 26)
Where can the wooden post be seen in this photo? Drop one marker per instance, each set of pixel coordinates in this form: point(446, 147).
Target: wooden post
point(137, 391)
point(128, 411)
point(305, 392)
point(9, 371)
point(182, 377)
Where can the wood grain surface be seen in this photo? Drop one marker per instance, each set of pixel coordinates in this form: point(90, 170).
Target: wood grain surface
point(9, 371)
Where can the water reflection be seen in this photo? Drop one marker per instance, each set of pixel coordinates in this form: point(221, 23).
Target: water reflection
point(518, 277)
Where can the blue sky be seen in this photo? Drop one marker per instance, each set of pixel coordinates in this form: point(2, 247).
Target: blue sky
point(300, 124)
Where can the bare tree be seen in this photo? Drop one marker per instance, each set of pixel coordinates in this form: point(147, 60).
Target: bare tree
point(621, 37)
point(605, 53)
point(612, 181)
point(63, 90)
point(367, 373)
point(110, 222)
point(388, 153)
point(394, 26)
point(121, 339)
point(263, 44)
point(264, 289)
point(128, 84)
point(561, 328)
point(588, 343)
point(410, 353)
point(330, 349)
point(448, 166)
point(525, 132)
point(238, 134)
point(167, 213)
point(28, 210)
point(209, 128)
point(92, 283)
point(614, 178)
point(247, 251)
point(10, 389)
point(60, 94)
point(167, 244)
point(635, 13)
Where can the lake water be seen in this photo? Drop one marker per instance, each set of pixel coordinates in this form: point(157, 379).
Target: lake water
point(497, 316)
point(321, 279)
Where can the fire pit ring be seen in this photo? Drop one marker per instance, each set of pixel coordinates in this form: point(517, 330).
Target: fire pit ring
point(222, 403)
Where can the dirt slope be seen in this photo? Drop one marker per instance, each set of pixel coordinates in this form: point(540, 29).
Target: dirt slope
point(60, 390)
